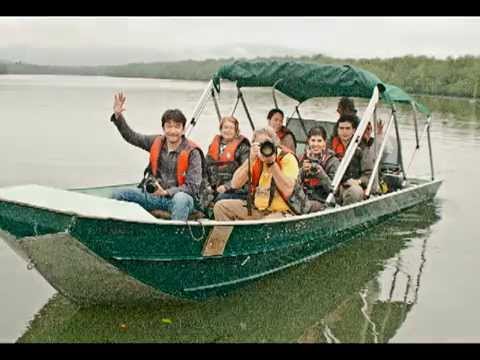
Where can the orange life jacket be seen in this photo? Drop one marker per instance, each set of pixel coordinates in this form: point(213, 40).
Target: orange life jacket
point(338, 147)
point(283, 132)
point(257, 169)
point(228, 154)
point(182, 160)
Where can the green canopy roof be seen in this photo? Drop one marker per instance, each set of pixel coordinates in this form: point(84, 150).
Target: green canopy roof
point(303, 81)
point(398, 95)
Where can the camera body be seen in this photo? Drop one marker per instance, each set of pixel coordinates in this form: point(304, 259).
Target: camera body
point(314, 169)
point(150, 184)
point(268, 148)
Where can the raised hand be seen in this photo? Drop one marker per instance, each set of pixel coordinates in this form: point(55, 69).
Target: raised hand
point(254, 151)
point(379, 127)
point(119, 104)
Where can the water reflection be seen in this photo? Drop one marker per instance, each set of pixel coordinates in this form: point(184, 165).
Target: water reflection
point(361, 292)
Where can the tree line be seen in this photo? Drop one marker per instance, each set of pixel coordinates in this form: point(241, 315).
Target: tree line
point(415, 74)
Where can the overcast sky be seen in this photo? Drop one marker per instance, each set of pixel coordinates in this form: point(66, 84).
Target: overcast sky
point(119, 40)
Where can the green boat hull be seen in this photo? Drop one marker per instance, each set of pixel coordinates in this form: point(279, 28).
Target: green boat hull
point(135, 260)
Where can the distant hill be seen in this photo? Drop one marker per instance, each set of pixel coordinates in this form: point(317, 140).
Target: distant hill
point(415, 74)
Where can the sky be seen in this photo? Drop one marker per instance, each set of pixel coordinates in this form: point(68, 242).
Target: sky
point(121, 40)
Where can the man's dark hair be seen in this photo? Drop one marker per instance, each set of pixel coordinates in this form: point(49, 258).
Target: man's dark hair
point(273, 112)
point(346, 106)
point(316, 131)
point(352, 119)
point(175, 115)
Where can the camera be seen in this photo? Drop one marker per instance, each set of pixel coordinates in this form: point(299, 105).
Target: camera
point(268, 148)
point(150, 185)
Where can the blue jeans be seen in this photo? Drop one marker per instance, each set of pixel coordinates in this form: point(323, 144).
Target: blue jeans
point(180, 205)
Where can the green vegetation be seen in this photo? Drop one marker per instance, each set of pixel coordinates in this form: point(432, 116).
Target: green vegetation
point(415, 74)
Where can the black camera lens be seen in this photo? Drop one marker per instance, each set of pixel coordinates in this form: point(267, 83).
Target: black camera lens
point(267, 148)
point(150, 186)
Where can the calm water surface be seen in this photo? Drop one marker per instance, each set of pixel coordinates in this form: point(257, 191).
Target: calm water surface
point(410, 279)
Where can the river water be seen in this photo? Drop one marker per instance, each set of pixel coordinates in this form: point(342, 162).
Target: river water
point(410, 279)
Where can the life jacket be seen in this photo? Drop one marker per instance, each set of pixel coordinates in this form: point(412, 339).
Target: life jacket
point(222, 166)
point(257, 170)
point(338, 147)
point(182, 160)
point(353, 169)
point(228, 154)
point(283, 132)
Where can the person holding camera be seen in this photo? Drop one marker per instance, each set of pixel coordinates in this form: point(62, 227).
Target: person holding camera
point(275, 121)
point(226, 153)
point(317, 168)
point(173, 177)
point(274, 171)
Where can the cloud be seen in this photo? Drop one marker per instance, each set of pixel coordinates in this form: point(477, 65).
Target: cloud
point(118, 40)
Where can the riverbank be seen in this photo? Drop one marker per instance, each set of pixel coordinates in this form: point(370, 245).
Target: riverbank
point(453, 77)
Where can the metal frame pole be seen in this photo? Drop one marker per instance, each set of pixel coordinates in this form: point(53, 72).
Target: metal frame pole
point(215, 102)
point(399, 143)
point(430, 148)
point(202, 102)
point(375, 145)
point(245, 107)
point(301, 120)
point(235, 106)
point(415, 123)
point(273, 93)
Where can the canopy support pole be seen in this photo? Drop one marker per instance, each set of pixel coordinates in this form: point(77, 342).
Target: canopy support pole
point(399, 143)
point(352, 146)
point(375, 145)
point(236, 104)
point(217, 108)
point(202, 102)
point(301, 120)
point(415, 124)
point(419, 142)
point(430, 148)
point(273, 93)
point(240, 94)
point(378, 158)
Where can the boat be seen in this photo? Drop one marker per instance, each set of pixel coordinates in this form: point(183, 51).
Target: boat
point(373, 286)
point(94, 249)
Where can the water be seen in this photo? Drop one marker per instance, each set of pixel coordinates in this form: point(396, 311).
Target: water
point(410, 279)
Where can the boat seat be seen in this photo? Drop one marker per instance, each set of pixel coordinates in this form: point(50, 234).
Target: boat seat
point(162, 214)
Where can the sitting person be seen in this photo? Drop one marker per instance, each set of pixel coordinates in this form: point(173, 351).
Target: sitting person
point(175, 167)
point(275, 121)
point(225, 154)
point(357, 175)
point(317, 168)
point(273, 186)
point(280, 171)
point(345, 106)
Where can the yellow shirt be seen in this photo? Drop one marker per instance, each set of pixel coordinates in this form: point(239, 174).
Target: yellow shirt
point(289, 167)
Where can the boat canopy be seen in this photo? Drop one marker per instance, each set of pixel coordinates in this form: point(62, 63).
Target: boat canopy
point(302, 81)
